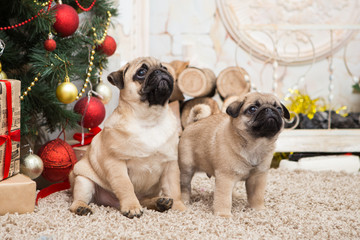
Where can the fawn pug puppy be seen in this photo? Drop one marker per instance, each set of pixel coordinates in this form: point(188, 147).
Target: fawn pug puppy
point(198, 108)
point(134, 158)
point(237, 146)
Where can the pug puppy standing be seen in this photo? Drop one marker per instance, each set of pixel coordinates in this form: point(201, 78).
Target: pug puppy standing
point(134, 158)
point(236, 146)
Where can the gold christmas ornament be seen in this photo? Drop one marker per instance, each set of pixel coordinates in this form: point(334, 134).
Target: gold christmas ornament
point(31, 165)
point(104, 91)
point(2, 73)
point(66, 92)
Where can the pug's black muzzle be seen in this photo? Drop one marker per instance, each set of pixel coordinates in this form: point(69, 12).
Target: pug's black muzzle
point(157, 88)
point(267, 123)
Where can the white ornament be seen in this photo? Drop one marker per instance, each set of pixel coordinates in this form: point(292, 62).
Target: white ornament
point(31, 165)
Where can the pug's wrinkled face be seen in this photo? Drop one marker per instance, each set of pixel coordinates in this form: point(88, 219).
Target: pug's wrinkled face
point(144, 80)
point(259, 114)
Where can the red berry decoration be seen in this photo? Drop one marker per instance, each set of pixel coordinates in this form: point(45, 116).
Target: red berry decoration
point(67, 20)
point(93, 112)
point(50, 45)
point(58, 158)
point(108, 46)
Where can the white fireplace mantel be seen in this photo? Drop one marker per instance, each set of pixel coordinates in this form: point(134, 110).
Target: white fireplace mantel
point(319, 140)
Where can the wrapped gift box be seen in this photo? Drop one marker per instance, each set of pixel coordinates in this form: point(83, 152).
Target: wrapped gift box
point(9, 94)
point(18, 195)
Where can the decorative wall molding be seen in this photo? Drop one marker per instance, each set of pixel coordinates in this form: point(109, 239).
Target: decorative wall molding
point(140, 28)
point(134, 17)
point(290, 32)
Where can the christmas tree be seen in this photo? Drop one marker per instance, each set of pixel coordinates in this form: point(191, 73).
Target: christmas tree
point(47, 47)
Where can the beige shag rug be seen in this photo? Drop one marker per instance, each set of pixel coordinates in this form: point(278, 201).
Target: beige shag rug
point(300, 205)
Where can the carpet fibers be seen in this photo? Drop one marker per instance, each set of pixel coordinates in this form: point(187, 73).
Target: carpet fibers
point(299, 205)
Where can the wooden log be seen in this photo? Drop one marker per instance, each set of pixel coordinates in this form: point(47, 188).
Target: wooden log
point(213, 108)
point(233, 81)
point(179, 66)
point(196, 82)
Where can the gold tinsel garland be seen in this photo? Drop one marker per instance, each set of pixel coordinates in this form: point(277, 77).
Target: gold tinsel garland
point(302, 103)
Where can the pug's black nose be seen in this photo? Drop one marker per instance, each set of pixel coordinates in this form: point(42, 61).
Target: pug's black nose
point(269, 111)
point(157, 71)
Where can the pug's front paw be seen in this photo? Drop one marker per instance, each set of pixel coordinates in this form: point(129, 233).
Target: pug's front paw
point(80, 208)
point(131, 211)
point(163, 204)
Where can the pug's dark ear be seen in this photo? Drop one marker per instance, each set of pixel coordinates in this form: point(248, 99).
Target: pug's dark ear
point(286, 112)
point(234, 108)
point(116, 79)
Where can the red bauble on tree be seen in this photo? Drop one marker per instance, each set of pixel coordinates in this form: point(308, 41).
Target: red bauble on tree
point(50, 45)
point(108, 46)
point(67, 20)
point(58, 158)
point(92, 111)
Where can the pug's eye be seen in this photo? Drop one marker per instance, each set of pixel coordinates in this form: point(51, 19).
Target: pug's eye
point(279, 109)
point(141, 72)
point(252, 109)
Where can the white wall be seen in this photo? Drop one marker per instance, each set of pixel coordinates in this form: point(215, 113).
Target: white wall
point(192, 30)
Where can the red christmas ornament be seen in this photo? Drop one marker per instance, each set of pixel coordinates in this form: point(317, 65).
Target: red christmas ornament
point(108, 46)
point(93, 111)
point(50, 45)
point(58, 158)
point(67, 20)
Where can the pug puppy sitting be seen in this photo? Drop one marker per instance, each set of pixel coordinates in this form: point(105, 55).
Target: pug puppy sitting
point(232, 147)
point(132, 162)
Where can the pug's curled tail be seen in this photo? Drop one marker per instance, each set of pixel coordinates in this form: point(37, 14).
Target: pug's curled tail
point(198, 112)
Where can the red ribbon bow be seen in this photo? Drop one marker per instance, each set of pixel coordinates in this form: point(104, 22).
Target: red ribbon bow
point(11, 136)
point(87, 137)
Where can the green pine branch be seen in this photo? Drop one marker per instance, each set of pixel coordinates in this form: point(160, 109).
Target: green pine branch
point(25, 56)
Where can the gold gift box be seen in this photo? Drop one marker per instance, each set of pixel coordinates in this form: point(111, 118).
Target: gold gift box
point(18, 194)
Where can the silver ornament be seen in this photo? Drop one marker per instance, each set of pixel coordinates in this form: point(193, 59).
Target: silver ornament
point(31, 165)
point(104, 91)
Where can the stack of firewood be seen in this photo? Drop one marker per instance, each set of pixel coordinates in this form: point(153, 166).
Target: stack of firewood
point(201, 84)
